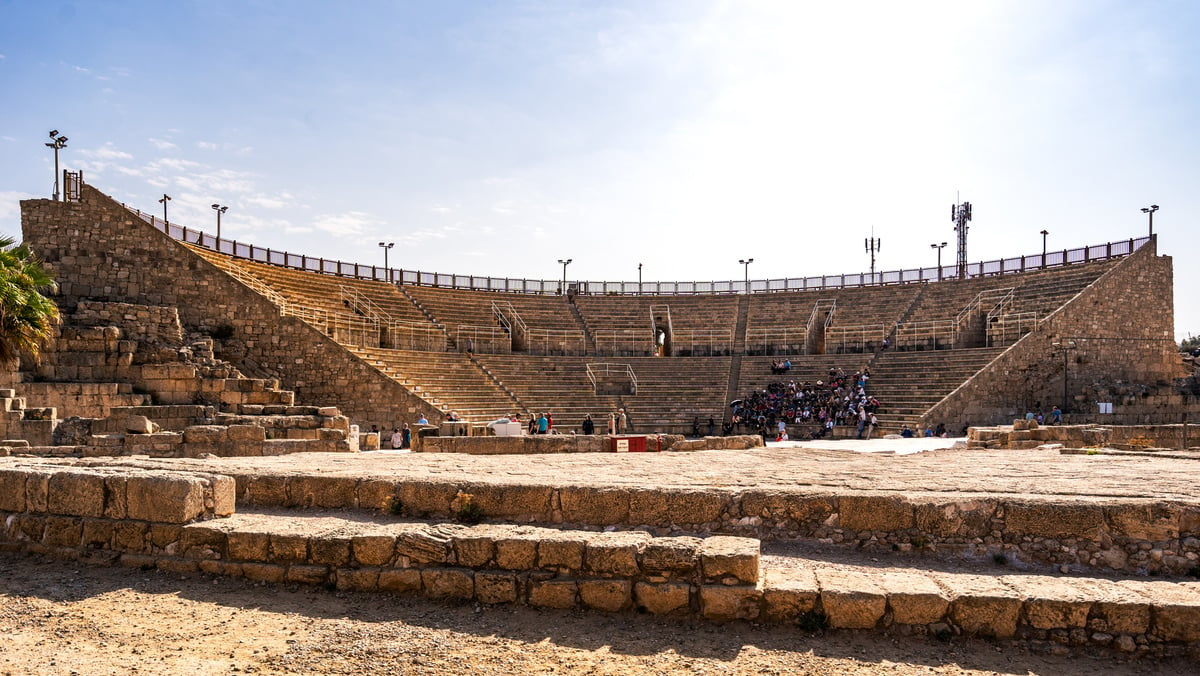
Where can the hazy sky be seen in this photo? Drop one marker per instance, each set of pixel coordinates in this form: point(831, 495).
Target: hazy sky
point(494, 138)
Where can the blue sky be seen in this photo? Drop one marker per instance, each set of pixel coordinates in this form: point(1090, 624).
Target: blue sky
point(495, 138)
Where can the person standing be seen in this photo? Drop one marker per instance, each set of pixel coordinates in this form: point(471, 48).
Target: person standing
point(612, 423)
point(543, 425)
point(622, 421)
point(589, 427)
point(397, 438)
point(405, 436)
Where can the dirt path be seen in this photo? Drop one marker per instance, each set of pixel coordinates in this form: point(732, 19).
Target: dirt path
point(66, 618)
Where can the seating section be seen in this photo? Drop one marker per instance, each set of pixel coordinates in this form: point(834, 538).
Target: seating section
point(486, 354)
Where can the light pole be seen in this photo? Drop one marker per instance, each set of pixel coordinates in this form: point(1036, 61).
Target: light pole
point(57, 143)
point(220, 210)
point(1044, 233)
point(1065, 347)
point(1149, 211)
point(564, 263)
point(746, 264)
point(939, 248)
point(385, 246)
point(639, 277)
point(165, 198)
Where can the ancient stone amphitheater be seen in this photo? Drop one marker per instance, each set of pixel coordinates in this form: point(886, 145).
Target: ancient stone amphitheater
point(195, 413)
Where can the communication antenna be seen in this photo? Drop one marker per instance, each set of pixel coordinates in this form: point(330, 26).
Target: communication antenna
point(872, 246)
point(960, 215)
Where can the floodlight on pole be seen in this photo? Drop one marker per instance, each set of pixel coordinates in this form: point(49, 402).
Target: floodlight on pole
point(939, 248)
point(165, 198)
point(639, 277)
point(220, 210)
point(564, 263)
point(385, 246)
point(57, 143)
point(746, 264)
point(1149, 211)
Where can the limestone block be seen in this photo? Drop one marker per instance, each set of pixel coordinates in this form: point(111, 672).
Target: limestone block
point(165, 497)
point(561, 551)
point(224, 494)
point(426, 545)
point(663, 598)
point(851, 600)
point(248, 545)
point(266, 491)
point(607, 595)
point(723, 557)
point(62, 531)
point(554, 593)
point(962, 518)
point(476, 547)
point(594, 506)
point(879, 513)
point(140, 424)
point(329, 550)
point(512, 501)
point(12, 490)
point(722, 602)
point(517, 551)
point(165, 535)
point(981, 605)
point(788, 593)
point(807, 510)
point(1156, 521)
point(420, 498)
point(288, 548)
point(76, 494)
point(375, 494)
point(1051, 603)
point(329, 492)
point(307, 574)
point(1174, 608)
point(914, 598)
point(671, 555)
point(400, 580)
point(1058, 520)
point(205, 434)
point(615, 553)
point(327, 411)
point(495, 587)
point(130, 536)
point(97, 534)
point(455, 583)
point(358, 579)
point(239, 433)
point(373, 550)
point(264, 572)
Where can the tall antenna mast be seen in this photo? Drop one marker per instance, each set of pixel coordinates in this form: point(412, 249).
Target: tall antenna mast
point(960, 215)
point(872, 245)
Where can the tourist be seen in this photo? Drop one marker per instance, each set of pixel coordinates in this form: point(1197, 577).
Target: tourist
point(549, 423)
point(872, 423)
point(533, 425)
point(612, 424)
point(622, 421)
point(696, 426)
point(397, 438)
point(588, 426)
point(406, 436)
point(906, 432)
point(941, 431)
point(1056, 416)
point(543, 424)
point(422, 420)
point(712, 427)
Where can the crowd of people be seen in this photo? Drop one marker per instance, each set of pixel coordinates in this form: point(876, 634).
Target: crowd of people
point(839, 400)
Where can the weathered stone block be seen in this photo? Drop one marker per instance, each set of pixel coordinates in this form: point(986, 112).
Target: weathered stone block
point(723, 557)
point(62, 531)
point(264, 572)
point(116, 503)
point(425, 546)
point(671, 555)
point(97, 533)
point(205, 434)
point(787, 593)
point(1174, 608)
point(851, 600)
point(307, 574)
point(495, 587)
point(329, 551)
point(512, 501)
point(553, 593)
point(322, 491)
point(475, 548)
point(981, 605)
point(517, 551)
point(561, 551)
point(882, 513)
point(595, 506)
point(373, 550)
point(1153, 522)
point(721, 602)
point(400, 580)
point(664, 598)
point(1054, 520)
point(456, 583)
point(1051, 603)
point(420, 498)
point(914, 598)
point(615, 553)
point(163, 497)
point(248, 546)
point(358, 579)
point(962, 518)
point(76, 494)
point(12, 490)
point(607, 595)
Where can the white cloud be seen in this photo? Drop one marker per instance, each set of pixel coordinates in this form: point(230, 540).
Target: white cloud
point(349, 223)
point(266, 202)
point(205, 145)
point(7, 138)
point(163, 144)
point(10, 203)
point(107, 152)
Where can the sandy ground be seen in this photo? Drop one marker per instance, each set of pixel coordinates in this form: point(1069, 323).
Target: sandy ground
point(61, 617)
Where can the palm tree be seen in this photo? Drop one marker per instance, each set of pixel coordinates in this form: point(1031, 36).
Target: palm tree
point(27, 318)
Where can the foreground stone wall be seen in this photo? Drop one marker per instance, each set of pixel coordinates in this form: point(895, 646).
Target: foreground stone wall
point(1131, 536)
point(1123, 329)
point(97, 250)
point(1022, 434)
point(577, 443)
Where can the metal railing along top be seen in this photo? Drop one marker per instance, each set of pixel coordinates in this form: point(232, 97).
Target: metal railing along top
point(1052, 259)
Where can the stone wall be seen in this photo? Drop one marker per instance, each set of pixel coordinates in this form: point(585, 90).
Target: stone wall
point(1122, 327)
point(1022, 434)
point(84, 400)
point(97, 250)
point(577, 443)
point(137, 322)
